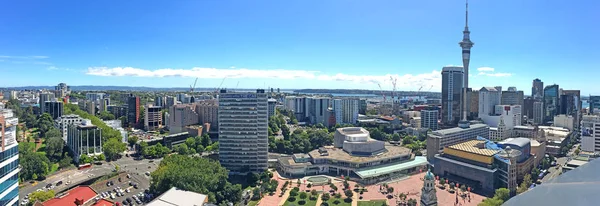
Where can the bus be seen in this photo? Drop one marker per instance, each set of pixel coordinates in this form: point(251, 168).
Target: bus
point(84, 166)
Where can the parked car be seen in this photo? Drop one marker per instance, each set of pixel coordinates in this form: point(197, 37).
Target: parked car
point(59, 183)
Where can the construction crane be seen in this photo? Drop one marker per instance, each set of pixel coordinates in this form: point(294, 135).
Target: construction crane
point(193, 87)
point(381, 90)
point(429, 90)
point(219, 88)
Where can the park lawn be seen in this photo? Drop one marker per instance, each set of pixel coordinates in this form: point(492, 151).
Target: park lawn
point(372, 203)
point(308, 202)
point(342, 203)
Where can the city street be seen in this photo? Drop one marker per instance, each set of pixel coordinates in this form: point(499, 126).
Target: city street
point(127, 164)
point(560, 162)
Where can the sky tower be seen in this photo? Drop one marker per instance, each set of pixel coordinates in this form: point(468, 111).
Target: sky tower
point(466, 45)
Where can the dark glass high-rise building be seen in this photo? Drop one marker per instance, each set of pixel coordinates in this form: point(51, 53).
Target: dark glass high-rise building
point(133, 111)
point(551, 102)
point(594, 104)
point(537, 89)
point(452, 85)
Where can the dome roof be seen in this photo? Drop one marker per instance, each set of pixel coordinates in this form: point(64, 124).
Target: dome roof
point(429, 175)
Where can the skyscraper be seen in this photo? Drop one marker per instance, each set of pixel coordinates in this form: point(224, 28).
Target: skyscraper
point(9, 183)
point(44, 97)
point(537, 89)
point(466, 45)
point(429, 119)
point(551, 102)
point(594, 104)
point(133, 110)
point(452, 93)
point(243, 131)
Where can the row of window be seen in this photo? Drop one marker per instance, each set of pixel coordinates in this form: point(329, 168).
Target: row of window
point(9, 153)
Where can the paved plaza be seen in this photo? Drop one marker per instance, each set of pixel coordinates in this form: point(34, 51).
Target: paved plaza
point(411, 186)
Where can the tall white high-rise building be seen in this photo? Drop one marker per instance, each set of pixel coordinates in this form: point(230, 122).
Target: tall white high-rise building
point(346, 110)
point(9, 183)
point(429, 119)
point(590, 133)
point(243, 131)
point(489, 97)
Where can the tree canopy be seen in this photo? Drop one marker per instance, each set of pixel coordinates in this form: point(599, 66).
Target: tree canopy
point(41, 196)
point(54, 148)
point(105, 115)
point(195, 174)
point(113, 147)
point(107, 132)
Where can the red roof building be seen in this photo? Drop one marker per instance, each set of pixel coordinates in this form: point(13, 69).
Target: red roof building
point(74, 197)
point(103, 202)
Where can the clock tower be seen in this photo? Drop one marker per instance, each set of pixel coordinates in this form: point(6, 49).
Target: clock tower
point(428, 196)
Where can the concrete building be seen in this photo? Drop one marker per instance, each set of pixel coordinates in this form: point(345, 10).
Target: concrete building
point(437, 140)
point(537, 89)
point(63, 123)
point(170, 101)
point(346, 110)
point(538, 112)
point(84, 139)
point(590, 133)
point(429, 119)
point(524, 131)
point(316, 109)
point(594, 102)
point(565, 121)
point(555, 138)
point(354, 155)
point(481, 164)
point(180, 116)
point(452, 94)
point(509, 115)
point(570, 104)
point(152, 117)
point(208, 112)
point(415, 122)
point(473, 104)
point(62, 90)
point(271, 103)
point(94, 96)
point(243, 136)
point(528, 108)
point(133, 111)
point(90, 107)
point(117, 111)
point(500, 132)
point(160, 101)
point(103, 104)
point(9, 183)
point(489, 97)
point(362, 106)
point(512, 97)
point(54, 108)
point(538, 150)
point(43, 98)
point(525, 161)
point(551, 102)
point(117, 125)
point(428, 194)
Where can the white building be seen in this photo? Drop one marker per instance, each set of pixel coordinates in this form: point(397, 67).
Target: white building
point(590, 133)
point(565, 121)
point(346, 111)
point(272, 103)
point(243, 131)
point(63, 122)
point(94, 96)
point(499, 133)
point(9, 183)
point(511, 114)
point(84, 139)
point(489, 97)
point(415, 122)
point(429, 119)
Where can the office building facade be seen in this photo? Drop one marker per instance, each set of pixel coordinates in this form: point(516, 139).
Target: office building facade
point(63, 123)
point(180, 116)
point(590, 133)
point(537, 89)
point(160, 101)
point(54, 108)
point(538, 112)
point(512, 97)
point(84, 139)
point(551, 102)
point(437, 140)
point(594, 102)
point(45, 97)
point(9, 179)
point(170, 101)
point(272, 103)
point(346, 110)
point(152, 117)
point(133, 111)
point(243, 131)
point(208, 112)
point(489, 97)
point(429, 119)
point(94, 96)
point(452, 93)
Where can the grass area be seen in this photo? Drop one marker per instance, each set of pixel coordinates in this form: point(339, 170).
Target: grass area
point(331, 202)
point(253, 203)
point(297, 202)
point(372, 203)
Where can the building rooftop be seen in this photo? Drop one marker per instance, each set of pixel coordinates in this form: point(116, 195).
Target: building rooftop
point(391, 168)
point(84, 193)
point(340, 154)
point(177, 197)
point(474, 147)
point(579, 186)
point(520, 141)
point(524, 127)
point(577, 163)
point(104, 202)
point(535, 143)
point(289, 161)
point(457, 129)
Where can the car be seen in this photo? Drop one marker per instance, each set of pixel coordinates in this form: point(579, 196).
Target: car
point(48, 185)
point(125, 202)
point(135, 186)
point(38, 190)
point(150, 161)
point(130, 183)
point(129, 200)
point(148, 173)
point(112, 196)
point(128, 190)
point(59, 183)
point(128, 176)
point(120, 179)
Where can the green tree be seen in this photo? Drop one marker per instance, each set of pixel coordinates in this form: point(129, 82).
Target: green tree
point(349, 194)
point(205, 140)
point(84, 159)
point(54, 148)
point(41, 196)
point(132, 140)
point(182, 149)
point(45, 123)
point(190, 142)
point(66, 161)
point(303, 195)
point(502, 194)
point(105, 115)
point(396, 137)
point(34, 165)
point(285, 131)
point(577, 151)
point(252, 178)
point(325, 196)
point(524, 186)
point(412, 202)
point(112, 148)
point(195, 174)
point(491, 202)
point(53, 132)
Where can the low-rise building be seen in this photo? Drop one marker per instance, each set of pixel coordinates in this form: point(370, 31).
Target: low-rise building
point(178, 197)
point(84, 139)
point(572, 164)
point(354, 155)
point(538, 150)
point(555, 138)
point(524, 131)
point(437, 140)
point(525, 162)
point(565, 121)
point(590, 133)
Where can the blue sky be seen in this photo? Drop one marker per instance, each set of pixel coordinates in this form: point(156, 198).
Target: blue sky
point(298, 44)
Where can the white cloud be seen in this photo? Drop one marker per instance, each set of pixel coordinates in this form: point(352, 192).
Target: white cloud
point(23, 57)
point(425, 81)
point(52, 68)
point(485, 69)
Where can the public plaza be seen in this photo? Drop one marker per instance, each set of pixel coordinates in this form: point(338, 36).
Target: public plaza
point(410, 185)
